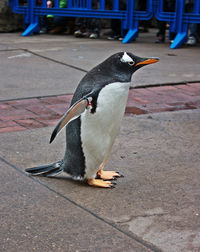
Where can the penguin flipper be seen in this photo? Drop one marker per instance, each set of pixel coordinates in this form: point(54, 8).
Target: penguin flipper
point(73, 112)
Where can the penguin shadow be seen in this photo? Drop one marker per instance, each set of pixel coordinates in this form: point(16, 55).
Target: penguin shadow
point(66, 178)
point(80, 183)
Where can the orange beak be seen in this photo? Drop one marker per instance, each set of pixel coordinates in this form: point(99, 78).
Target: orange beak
point(147, 61)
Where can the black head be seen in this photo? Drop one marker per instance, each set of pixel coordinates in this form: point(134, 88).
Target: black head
point(126, 63)
point(117, 68)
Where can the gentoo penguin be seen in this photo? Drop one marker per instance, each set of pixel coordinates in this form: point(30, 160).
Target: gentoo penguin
point(93, 121)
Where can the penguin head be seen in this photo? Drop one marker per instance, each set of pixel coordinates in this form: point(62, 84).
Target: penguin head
point(126, 63)
point(134, 62)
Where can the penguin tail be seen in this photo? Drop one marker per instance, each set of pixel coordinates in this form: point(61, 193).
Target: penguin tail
point(46, 170)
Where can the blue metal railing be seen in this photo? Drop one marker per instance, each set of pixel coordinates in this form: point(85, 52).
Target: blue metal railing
point(130, 16)
point(77, 8)
point(179, 19)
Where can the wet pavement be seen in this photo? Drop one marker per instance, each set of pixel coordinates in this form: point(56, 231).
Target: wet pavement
point(156, 206)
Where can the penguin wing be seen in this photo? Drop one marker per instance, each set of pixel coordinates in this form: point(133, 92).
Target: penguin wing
point(72, 113)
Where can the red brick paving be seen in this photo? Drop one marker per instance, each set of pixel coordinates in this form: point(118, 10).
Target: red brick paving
point(23, 114)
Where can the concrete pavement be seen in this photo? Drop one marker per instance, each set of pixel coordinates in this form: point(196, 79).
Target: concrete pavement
point(43, 59)
point(155, 207)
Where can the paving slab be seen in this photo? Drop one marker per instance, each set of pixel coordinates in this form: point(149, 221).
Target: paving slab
point(157, 202)
point(26, 75)
point(5, 47)
point(174, 66)
point(35, 218)
point(52, 60)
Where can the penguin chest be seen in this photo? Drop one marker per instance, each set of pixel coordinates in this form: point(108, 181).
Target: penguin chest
point(99, 129)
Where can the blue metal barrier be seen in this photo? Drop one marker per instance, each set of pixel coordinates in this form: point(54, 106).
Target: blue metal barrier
point(179, 19)
point(77, 8)
point(130, 16)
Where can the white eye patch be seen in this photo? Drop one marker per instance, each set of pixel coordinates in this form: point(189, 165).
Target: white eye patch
point(127, 59)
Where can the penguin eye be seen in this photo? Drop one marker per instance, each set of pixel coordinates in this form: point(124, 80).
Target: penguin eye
point(131, 63)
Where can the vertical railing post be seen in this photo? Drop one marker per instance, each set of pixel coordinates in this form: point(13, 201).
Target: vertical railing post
point(44, 3)
point(132, 24)
point(180, 26)
point(33, 20)
point(56, 3)
point(69, 4)
point(196, 8)
point(115, 5)
point(89, 4)
point(102, 5)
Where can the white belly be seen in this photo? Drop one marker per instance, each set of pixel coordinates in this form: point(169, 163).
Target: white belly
point(99, 130)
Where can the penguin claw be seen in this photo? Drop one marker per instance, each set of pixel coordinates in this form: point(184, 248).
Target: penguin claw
point(113, 182)
point(120, 175)
point(114, 179)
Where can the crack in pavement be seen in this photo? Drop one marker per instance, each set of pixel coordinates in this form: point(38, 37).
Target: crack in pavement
point(43, 57)
point(132, 236)
point(86, 71)
point(53, 60)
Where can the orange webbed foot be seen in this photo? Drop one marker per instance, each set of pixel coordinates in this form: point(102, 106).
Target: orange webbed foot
point(101, 183)
point(108, 175)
